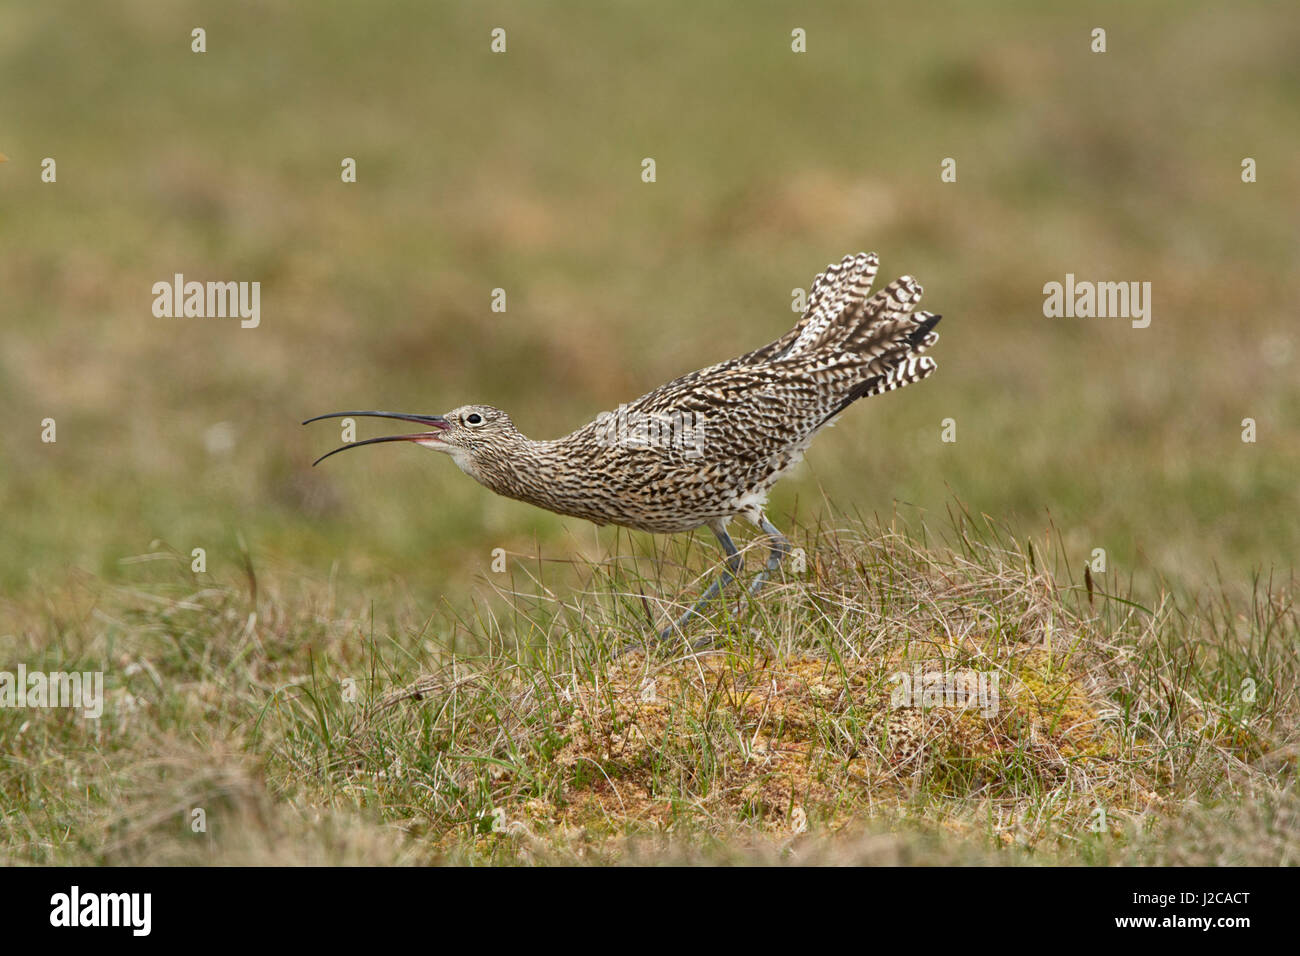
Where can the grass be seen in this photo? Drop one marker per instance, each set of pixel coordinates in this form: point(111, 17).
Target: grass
point(509, 733)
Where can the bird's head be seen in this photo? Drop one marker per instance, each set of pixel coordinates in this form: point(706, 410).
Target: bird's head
point(462, 432)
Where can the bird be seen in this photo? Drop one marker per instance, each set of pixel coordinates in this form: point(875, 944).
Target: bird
point(706, 447)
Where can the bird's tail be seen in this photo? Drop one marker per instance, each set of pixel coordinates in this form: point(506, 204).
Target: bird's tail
point(880, 334)
point(843, 315)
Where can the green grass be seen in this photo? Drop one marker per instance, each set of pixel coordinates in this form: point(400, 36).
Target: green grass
point(315, 730)
point(522, 172)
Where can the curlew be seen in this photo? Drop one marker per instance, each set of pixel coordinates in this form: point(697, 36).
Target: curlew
point(709, 446)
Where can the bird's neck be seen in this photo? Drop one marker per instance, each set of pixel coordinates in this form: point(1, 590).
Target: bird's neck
point(514, 468)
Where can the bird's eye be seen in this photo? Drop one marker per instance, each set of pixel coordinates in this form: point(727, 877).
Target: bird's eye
point(473, 418)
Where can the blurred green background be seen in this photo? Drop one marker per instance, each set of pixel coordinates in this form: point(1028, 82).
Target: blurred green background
point(522, 171)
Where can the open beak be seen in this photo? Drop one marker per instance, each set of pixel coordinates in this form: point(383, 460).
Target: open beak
point(438, 423)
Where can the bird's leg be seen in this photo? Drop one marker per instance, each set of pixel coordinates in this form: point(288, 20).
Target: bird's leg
point(734, 564)
point(780, 548)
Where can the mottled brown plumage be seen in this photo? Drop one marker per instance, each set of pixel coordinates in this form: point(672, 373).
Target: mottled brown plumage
point(708, 446)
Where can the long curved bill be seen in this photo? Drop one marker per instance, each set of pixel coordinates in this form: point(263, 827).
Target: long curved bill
point(438, 423)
